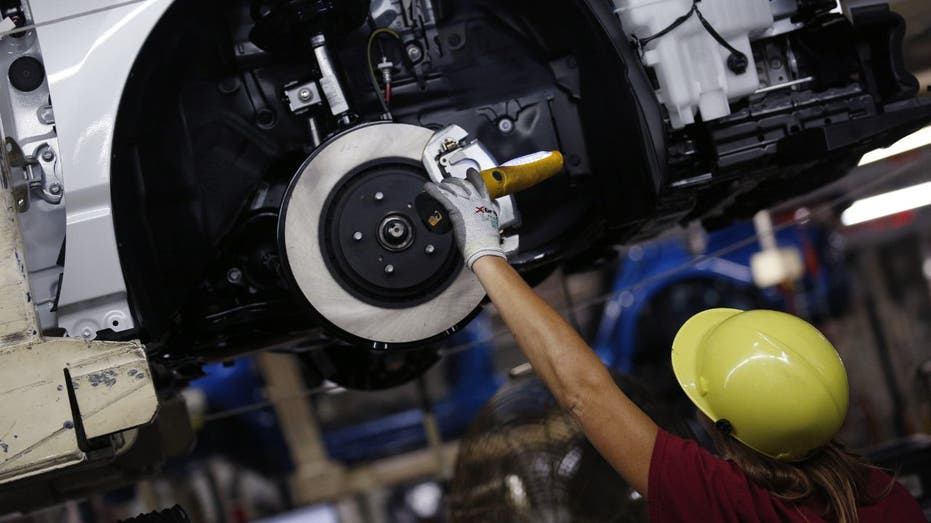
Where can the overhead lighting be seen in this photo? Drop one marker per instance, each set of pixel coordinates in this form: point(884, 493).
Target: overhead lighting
point(911, 142)
point(887, 204)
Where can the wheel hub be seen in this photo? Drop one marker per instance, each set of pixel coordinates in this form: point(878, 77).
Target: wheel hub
point(375, 245)
point(354, 247)
point(396, 233)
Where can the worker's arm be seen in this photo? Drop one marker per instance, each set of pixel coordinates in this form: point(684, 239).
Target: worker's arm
point(621, 432)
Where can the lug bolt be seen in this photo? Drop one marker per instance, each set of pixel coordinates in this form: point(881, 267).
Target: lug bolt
point(389, 269)
point(429, 249)
point(379, 196)
point(55, 189)
point(304, 94)
point(48, 155)
point(357, 236)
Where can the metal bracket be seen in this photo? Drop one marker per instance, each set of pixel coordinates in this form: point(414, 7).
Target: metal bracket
point(57, 394)
point(302, 96)
point(38, 174)
point(451, 152)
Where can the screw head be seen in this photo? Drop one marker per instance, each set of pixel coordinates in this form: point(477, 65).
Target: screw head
point(414, 52)
point(46, 115)
point(389, 269)
point(234, 275)
point(48, 155)
point(304, 94)
point(357, 236)
point(379, 196)
point(506, 125)
point(429, 249)
point(55, 189)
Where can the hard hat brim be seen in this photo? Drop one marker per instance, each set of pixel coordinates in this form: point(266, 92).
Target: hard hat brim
point(685, 354)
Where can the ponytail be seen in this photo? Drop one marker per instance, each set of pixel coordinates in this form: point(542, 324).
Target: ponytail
point(832, 478)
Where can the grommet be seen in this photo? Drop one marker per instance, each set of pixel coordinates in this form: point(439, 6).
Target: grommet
point(724, 426)
point(738, 63)
point(26, 74)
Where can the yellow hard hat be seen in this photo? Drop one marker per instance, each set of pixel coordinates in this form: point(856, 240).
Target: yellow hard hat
point(771, 380)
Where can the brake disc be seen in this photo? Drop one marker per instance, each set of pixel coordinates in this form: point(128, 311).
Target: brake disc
point(352, 242)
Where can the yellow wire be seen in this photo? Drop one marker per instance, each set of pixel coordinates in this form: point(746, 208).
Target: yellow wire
point(368, 55)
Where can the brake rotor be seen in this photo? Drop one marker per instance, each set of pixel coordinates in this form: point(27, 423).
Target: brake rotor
point(353, 244)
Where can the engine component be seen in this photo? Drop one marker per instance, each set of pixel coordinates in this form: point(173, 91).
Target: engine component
point(354, 246)
point(695, 70)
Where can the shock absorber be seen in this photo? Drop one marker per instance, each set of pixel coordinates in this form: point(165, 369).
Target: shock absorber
point(329, 81)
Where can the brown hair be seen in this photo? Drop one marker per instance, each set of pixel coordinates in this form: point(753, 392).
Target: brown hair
point(832, 478)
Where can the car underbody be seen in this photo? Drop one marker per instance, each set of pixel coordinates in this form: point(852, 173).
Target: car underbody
point(224, 171)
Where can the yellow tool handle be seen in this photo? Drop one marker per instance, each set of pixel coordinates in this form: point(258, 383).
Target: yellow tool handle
point(522, 173)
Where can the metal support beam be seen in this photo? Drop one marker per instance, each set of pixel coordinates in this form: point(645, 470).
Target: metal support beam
point(57, 394)
point(317, 478)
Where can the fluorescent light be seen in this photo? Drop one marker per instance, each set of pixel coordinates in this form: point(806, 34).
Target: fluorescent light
point(887, 204)
point(911, 142)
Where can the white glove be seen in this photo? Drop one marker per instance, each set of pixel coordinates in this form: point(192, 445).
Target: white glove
point(473, 214)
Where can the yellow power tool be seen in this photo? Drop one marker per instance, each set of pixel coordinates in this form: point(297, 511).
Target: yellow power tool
point(509, 178)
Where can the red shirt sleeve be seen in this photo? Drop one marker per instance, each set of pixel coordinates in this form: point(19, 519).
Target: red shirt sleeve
point(688, 483)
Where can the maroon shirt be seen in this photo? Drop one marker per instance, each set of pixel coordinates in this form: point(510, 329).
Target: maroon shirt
point(688, 483)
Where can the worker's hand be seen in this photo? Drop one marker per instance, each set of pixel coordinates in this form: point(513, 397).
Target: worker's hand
point(473, 214)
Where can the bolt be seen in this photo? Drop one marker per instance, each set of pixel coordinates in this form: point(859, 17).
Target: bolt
point(396, 230)
point(87, 333)
point(389, 269)
point(506, 125)
point(414, 52)
point(48, 155)
point(55, 189)
point(429, 249)
point(775, 63)
point(234, 275)
point(379, 196)
point(46, 115)
point(357, 236)
point(304, 94)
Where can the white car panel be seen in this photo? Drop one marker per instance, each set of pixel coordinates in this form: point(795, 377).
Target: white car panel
point(87, 60)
